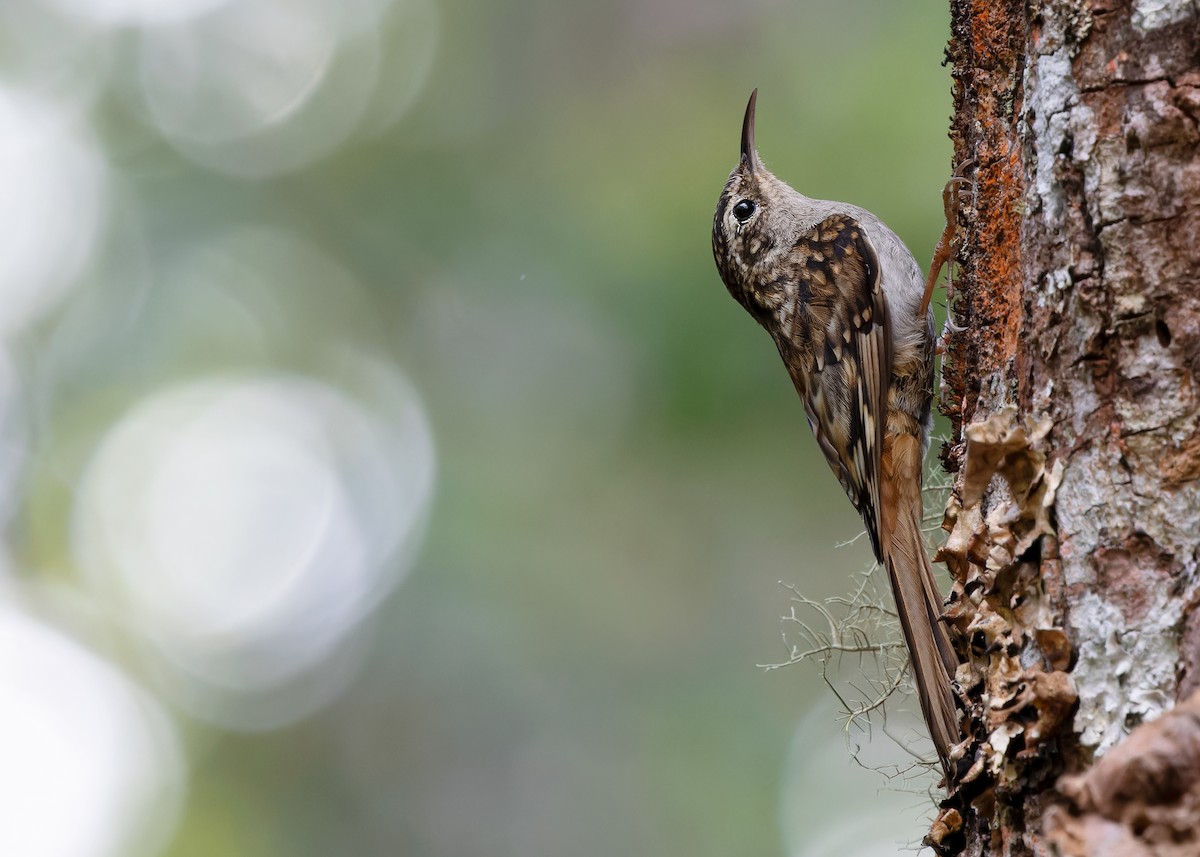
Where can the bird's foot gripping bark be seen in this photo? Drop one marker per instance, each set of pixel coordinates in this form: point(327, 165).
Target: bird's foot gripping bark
point(943, 252)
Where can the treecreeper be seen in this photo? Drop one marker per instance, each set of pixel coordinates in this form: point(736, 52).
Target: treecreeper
point(847, 306)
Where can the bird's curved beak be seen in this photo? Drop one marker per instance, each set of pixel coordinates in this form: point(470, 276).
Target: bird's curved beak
point(749, 156)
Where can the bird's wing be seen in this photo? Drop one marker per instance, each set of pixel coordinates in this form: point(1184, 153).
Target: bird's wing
point(838, 349)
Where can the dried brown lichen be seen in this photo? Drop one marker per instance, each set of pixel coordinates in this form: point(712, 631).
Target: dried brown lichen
point(1013, 681)
point(1017, 513)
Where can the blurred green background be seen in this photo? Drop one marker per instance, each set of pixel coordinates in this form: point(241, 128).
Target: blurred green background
point(414, 300)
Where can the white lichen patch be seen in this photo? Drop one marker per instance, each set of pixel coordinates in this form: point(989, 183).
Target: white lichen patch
point(1043, 396)
point(1057, 286)
point(1125, 620)
point(1083, 128)
point(1052, 98)
point(1082, 507)
point(1049, 101)
point(1153, 14)
point(1123, 676)
point(1128, 305)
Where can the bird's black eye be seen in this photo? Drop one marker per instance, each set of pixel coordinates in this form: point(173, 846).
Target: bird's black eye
point(744, 210)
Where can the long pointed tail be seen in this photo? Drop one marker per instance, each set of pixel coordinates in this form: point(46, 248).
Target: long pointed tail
point(918, 597)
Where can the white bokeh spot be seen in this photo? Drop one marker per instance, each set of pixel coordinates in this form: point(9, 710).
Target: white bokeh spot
point(261, 87)
point(246, 526)
point(91, 766)
point(129, 13)
point(54, 182)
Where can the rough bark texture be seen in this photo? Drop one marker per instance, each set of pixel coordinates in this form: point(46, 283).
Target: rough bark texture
point(1075, 525)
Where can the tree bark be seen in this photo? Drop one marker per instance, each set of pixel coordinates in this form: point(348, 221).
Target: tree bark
point(1074, 528)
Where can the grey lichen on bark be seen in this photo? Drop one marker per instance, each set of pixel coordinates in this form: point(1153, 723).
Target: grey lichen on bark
point(1079, 292)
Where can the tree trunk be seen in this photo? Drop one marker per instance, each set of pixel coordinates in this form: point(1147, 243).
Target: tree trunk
point(1072, 390)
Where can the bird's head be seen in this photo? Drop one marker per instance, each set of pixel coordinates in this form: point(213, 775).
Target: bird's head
point(755, 224)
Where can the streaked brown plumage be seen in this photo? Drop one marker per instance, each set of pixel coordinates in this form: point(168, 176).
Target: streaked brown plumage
point(844, 301)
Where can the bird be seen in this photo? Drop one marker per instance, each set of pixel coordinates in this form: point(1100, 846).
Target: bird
point(846, 304)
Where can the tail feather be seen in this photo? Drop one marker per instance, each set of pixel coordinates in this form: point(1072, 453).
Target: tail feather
point(928, 648)
point(918, 597)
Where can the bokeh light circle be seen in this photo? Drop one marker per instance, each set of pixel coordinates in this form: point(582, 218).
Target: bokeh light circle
point(245, 526)
point(260, 87)
point(123, 13)
point(14, 440)
point(58, 54)
point(92, 767)
point(411, 31)
point(54, 182)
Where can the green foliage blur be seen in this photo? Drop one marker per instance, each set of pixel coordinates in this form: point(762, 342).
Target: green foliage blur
point(624, 474)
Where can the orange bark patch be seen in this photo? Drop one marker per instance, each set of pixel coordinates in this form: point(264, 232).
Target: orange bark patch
point(988, 56)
